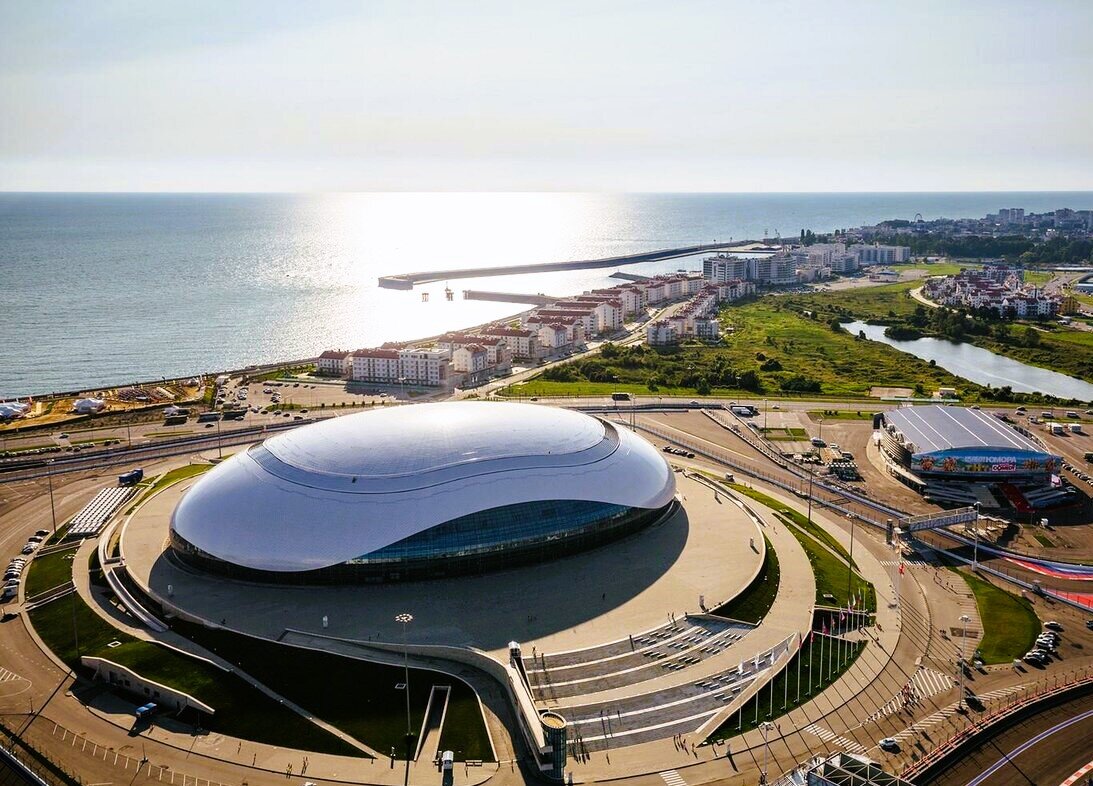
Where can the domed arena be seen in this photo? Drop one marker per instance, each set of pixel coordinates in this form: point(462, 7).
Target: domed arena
point(421, 491)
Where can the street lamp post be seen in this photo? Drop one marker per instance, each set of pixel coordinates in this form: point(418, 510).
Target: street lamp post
point(850, 560)
point(219, 447)
point(406, 619)
point(964, 618)
point(765, 727)
point(975, 552)
point(52, 507)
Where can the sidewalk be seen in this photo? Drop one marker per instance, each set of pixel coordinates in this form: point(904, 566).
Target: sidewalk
point(380, 770)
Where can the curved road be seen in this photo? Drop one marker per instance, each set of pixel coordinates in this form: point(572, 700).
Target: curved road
point(1045, 748)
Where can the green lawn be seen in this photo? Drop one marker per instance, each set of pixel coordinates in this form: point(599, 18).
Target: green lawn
point(52, 570)
point(818, 669)
point(169, 477)
point(832, 575)
point(356, 696)
point(841, 414)
point(771, 350)
point(1010, 626)
point(798, 518)
point(755, 601)
point(241, 711)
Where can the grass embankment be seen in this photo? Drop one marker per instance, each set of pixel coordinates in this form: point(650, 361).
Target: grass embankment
point(356, 696)
point(834, 578)
point(168, 478)
point(755, 601)
point(818, 669)
point(49, 572)
point(1010, 626)
point(241, 710)
point(798, 518)
point(771, 350)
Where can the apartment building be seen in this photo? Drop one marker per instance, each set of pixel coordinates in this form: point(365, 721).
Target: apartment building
point(335, 363)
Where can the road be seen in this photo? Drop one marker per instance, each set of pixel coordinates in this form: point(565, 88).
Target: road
point(1046, 748)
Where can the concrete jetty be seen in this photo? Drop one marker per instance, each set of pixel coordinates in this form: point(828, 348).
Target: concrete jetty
point(410, 280)
point(509, 297)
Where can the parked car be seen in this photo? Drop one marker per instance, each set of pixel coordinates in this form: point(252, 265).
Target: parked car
point(889, 744)
point(42, 532)
point(28, 549)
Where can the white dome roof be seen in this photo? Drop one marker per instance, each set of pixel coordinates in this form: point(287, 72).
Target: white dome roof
point(396, 441)
point(333, 491)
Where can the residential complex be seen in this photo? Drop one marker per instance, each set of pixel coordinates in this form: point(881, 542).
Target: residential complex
point(995, 287)
point(698, 318)
point(801, 264)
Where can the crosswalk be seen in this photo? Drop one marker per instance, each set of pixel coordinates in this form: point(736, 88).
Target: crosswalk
point(946, 712)
point(832, 738)
point(8, 676)
point(673, 778)
point(925, 683)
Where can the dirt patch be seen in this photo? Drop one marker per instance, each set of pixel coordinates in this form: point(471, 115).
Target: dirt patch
point(881, 392)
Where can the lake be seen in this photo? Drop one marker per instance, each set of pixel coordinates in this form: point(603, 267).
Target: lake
point(981, 365)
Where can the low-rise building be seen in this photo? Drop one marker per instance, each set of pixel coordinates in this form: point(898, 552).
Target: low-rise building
point(426, 367)
point(335, 363)
point(661, 333)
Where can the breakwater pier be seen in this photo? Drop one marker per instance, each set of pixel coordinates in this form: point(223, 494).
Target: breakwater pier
point(410, 280)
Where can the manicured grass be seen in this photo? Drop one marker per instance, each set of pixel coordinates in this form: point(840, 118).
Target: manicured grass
point(785, 434)
point(832, 574)
point(167, 478)
point(48, 572)
point(356, 696)
point(818, 669)
point(798, 518)
point(755, 601)
point(841, 414)
point(241, 711)
point(1043, 541)
point(1010, 626)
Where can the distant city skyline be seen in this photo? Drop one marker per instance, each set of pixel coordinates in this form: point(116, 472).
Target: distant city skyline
point(416, 96)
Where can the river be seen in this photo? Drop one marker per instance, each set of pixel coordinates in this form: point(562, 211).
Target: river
point(981, 365)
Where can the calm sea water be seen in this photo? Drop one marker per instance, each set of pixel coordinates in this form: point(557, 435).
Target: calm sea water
point(98, 289)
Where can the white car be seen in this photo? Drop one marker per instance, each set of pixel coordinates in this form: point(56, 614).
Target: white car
point(888, 744)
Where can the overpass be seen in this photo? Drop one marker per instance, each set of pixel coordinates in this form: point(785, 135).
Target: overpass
point(410, 280)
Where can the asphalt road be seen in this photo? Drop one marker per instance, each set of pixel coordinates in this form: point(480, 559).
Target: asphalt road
point(1044, 749)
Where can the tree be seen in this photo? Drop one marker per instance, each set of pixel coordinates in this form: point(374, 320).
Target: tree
point(703, 387)
point(749, 380)
point(836, 325)
point(1030, 337)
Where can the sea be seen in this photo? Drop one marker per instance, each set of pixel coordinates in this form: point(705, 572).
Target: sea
point(106, 289)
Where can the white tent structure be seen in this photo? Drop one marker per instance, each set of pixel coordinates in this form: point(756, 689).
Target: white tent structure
point(86, 406)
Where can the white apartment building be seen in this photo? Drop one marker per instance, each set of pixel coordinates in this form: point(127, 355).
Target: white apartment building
point(877, 254)
point(428, 367)
point(660, 334)
point(335, 363)
point(724, 267)
point(522, 342)
point(470, 359)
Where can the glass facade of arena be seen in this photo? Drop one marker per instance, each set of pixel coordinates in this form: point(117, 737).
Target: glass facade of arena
point(492, 539)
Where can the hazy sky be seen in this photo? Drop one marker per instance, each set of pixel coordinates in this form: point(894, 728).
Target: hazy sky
point(630, 96)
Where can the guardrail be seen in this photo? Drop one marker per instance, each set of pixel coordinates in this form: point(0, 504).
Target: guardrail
point(157, 450)
point(984, 724)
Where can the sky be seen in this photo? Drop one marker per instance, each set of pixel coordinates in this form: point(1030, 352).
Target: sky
point(208, 95)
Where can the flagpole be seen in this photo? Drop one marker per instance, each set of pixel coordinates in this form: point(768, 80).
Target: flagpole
point(785, 687)
point(822, 637)
point(800, 650)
